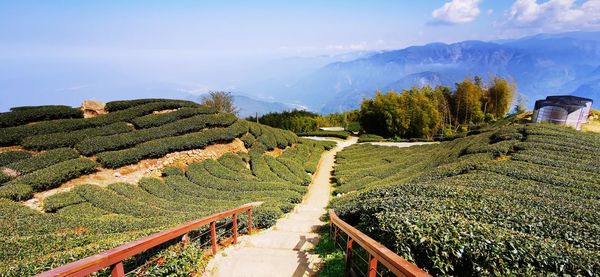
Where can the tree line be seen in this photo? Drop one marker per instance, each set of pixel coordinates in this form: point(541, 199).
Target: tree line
point(426, 112)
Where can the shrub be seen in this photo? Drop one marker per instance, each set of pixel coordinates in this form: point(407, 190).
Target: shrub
point(16, 191)
point(110, 201)
point(13, 156)
point(154, 120)
point(22, 115)
point(335, 134)
point(370, 138)
point(126, 104)
point(172, 171)
point(54, 175)
point(14, 135)
point(500, 202)
point(60, 200)
point(95, 145)
point(43, 160)
point(69, 139)
point(160, 147)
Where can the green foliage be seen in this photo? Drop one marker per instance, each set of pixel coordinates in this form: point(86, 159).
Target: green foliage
point(9, 157)
point(196, 123)
point(513, 201)
point(172, 171)
point(154, 120)
point(43, 160)
point(54, 175)
point(333, 134)
point(16, 191)
point(22, 115)
point(126, 104)
point(70, 138)
point(221, 101)
point(370, 138)
point(160, 147)
point(297, 121)
point(333, 260)
point(89, 219)
point(426, 112)
point(60, 200)
point(14, 135)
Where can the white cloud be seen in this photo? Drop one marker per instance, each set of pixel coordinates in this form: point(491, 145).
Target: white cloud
point(554, 15)
point(456, 11)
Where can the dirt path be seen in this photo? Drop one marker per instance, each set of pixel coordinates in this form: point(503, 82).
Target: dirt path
point(281, 250)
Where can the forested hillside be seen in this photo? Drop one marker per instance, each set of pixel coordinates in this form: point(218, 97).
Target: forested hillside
point(518, 200)
point(274, 168)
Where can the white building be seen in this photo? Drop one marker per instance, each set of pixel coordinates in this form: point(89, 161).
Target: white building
point(563, 109)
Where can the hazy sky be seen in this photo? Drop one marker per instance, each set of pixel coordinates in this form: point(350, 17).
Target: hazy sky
point(178, 41)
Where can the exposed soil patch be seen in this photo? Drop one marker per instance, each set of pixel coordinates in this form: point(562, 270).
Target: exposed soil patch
point(146, 168)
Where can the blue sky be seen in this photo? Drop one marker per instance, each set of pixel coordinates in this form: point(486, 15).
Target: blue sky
point(179, 40)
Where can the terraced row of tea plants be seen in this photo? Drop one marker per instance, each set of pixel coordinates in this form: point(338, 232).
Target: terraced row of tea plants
point(519, 200)
point(89, 219)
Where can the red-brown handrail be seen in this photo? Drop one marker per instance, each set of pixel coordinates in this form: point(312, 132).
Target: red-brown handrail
point(114, 257)
point(378, 253)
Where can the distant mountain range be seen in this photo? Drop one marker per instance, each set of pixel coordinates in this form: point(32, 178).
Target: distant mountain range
point(545, 64)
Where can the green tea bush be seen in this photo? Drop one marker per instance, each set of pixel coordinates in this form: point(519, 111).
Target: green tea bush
point(9, 157)
point(111, 201)
point(14, 135)
point(172, 171)
point(154, 120)
point(60, 200)
point(196, 123)
point(16, 191)
point(370, 138)
point(517, 200)
point(282, 171)
point(334, 134)
point(160, 147)
point(19, 116)
point(43, 160)
point(89, 219)
point(69, 139)
point(54, 175)
point(126, 104)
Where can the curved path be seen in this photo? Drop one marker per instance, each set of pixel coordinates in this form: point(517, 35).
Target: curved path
point(281, 250)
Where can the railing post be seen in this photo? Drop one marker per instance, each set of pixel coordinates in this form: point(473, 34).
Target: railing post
point(117, 270)
point(336, 231)
point(235, 232)
point(349, 256)
point(185, 239)
point(213, 237)
point(250, 221)
point(372, 266)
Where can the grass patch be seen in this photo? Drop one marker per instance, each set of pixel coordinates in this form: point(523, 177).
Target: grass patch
point(332, 257)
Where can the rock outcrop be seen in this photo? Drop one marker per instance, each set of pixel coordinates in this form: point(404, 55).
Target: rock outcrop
point(93, 108)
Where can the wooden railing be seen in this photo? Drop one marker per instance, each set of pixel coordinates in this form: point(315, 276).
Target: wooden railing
point(377, 252)
point(113, 258)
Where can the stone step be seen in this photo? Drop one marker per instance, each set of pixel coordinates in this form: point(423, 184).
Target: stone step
point(261, 262)
point(299, 226)
point(284, 240)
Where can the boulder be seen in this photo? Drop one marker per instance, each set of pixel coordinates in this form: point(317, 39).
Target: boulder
point(92, 108)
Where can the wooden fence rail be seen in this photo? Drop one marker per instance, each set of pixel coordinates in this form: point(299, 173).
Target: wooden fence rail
point(113, 258)
point(377, 252)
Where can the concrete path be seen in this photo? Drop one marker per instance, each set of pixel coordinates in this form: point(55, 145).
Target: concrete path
point(281, 250)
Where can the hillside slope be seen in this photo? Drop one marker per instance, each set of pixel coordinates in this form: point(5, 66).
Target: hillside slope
point(519, 200)
point(86, 219)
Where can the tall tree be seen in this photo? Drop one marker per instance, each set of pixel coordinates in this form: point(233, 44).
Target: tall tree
point(500, 96)
point(222, 101)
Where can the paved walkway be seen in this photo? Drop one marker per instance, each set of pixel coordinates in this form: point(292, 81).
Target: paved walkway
point(281, 250)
